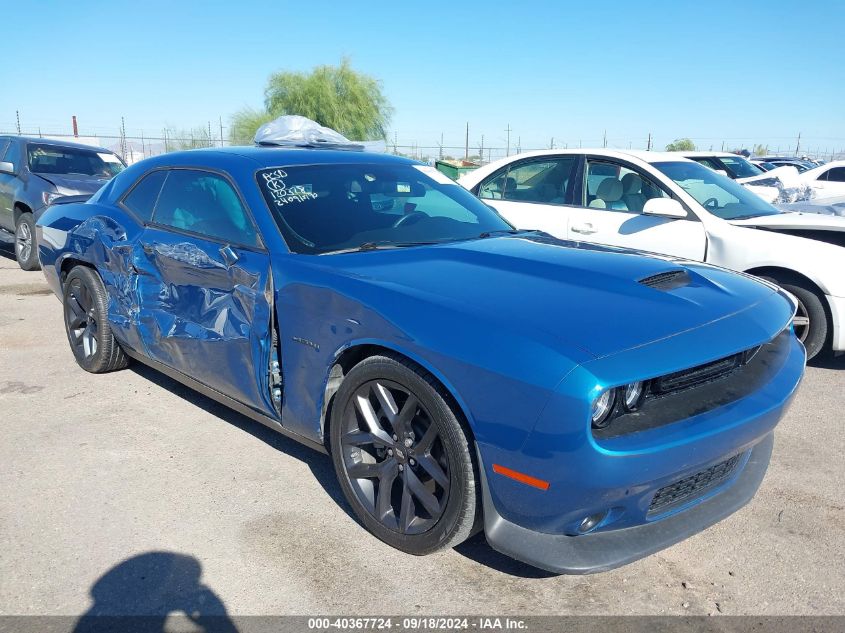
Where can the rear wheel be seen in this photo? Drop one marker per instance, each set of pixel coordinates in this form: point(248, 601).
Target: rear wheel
point(26, 251)
point(87, 324)
point(402, 457)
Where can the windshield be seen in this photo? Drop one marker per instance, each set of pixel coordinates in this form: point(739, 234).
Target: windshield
point(325, 208)
point(720, 195)
point(741, 167)
point(53, 159)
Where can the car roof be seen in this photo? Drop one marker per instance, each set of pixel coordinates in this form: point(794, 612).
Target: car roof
point(641, 154)
point(51, 141)
point(716, 154)
point(263, 156)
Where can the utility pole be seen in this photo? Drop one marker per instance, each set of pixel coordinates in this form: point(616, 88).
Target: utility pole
point(123, 136)
point(164, 133)
point(648, 147)
point(798, 144)
point(518, 144)
point(552, 143)
point(508, 148)
point(604, 139)
point(221, 131)
point(466, 144)
point(18, 119)
point(75, 128)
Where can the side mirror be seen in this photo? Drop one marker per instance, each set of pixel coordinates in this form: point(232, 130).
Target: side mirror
point(664, 207)
point(7, 167)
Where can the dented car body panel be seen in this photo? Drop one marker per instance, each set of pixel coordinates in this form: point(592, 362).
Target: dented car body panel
point(523, 331)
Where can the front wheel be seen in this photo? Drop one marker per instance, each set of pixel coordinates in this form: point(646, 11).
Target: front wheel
point(810, 322)
point(402, 457)
point(26, 251)
point(87, 324)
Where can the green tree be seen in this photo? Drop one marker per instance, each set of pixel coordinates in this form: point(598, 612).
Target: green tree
point(760, 150)
point(337, 97)
point(681, 145)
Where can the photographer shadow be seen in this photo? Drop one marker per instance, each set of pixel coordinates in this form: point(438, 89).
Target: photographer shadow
point(143, 592)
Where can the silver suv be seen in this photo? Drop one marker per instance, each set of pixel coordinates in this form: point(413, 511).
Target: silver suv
point(36, 171)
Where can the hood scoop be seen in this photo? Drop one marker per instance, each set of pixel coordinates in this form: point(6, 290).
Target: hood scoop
point(669, 280)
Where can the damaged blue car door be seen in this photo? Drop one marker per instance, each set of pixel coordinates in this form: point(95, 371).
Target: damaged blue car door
point(204, 287)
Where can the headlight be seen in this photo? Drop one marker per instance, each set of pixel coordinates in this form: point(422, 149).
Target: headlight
point(48, 196)
point(602, 408)
point(633, 393)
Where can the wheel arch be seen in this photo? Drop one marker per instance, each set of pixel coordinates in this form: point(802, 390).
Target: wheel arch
point(350, 355)
point(790, 276)
point(19, 209)
point(68, 263)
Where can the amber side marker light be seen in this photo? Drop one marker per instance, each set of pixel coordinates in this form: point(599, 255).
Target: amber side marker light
point(521, 477)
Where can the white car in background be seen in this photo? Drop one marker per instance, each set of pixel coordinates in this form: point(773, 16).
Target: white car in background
point(663, 203)
point(781, 184)
point(828, 180)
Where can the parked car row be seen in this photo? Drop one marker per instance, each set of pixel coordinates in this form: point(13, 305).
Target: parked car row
point(582, 403)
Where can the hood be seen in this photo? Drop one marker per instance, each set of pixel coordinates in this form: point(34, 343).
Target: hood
point(795, 220)
point(74, 183)
point(566, 294)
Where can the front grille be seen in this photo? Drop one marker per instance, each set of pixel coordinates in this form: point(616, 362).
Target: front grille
point(691, 487)
point(698, 375)
point(668, 280)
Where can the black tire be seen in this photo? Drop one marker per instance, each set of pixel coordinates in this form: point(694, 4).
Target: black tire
point(87, 324)
point(449, 455)
point(26, 250)
point(811, 322)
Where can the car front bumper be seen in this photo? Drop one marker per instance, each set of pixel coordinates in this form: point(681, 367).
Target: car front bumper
point(601, 551)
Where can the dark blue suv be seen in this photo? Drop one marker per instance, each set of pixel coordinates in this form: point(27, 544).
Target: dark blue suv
point(36, 171)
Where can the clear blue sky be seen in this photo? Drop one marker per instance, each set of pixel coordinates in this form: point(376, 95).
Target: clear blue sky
point(713, 70)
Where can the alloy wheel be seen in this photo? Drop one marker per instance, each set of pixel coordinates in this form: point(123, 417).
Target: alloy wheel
point(81, 319)
point(394, 457)
point(23, 242)
point(801, 322)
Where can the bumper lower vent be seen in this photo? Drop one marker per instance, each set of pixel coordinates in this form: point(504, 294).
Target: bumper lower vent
point(691, 487)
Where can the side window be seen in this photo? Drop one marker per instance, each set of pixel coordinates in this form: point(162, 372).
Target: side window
point(837, 174)
point(534, 181)
point(4, 143)
point(204, 203)
point(617, 188)
point(142, 197)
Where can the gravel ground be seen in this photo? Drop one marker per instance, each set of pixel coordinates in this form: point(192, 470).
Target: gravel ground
point(216, 512)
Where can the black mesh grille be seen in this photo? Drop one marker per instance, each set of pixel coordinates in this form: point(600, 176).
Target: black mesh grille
point(667, 281)
point(697, 375)
point(691, 487)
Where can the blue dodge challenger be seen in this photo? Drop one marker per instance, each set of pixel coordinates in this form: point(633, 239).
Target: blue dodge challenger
point(585, 406)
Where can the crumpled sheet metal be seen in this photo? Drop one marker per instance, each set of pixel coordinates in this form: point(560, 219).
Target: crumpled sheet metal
point(223, 316)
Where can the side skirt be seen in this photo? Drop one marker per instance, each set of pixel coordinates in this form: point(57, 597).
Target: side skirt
point(224, 400)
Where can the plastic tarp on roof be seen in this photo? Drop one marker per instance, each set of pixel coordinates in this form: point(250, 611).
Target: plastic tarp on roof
point(298, 131)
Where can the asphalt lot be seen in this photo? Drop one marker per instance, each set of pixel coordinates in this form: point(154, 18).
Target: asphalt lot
point(97, 470)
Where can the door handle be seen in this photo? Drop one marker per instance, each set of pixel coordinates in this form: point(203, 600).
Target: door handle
point(229, 255)
point(584, 229)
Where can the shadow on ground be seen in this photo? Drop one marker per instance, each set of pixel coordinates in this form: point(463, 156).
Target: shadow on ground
point(142, 592)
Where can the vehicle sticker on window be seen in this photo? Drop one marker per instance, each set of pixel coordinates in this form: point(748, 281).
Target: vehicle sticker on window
point(435, 175)
point(108, 158)
point(282, 194)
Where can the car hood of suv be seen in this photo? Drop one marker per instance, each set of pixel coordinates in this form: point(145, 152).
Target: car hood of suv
point(601, 300)
point(75, 183)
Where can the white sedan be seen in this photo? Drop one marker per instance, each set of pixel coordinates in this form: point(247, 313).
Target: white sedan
point(663, 203)
point(828, 180)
